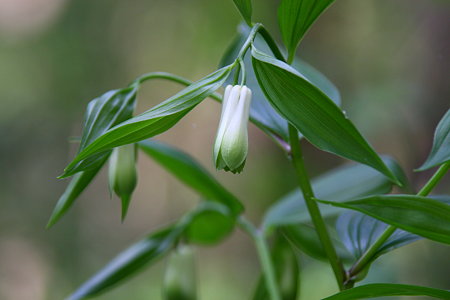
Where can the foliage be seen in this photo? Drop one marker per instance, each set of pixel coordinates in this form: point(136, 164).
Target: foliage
point(291, 100)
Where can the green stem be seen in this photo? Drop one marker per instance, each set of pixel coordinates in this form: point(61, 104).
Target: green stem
point(162, 75)
point(316, 217)
point(369, 254)
point(264, 257)
point(248, 42)
point(243, 71)
point(434, 180)
point(236, 74)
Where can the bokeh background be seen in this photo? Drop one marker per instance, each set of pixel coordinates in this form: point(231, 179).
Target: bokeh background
point(389, 58)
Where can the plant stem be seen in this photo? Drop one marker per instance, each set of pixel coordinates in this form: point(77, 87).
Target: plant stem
point(264, 257)
point(316, 217)
point(434, 180)
point(249, 41)
point(368, 255)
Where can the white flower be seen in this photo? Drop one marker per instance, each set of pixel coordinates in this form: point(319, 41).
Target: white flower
point(231, 146)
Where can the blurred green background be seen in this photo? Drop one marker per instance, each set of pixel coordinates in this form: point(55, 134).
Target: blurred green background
point(389, 58)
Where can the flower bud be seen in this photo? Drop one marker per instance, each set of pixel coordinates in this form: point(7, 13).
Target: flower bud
point(231, 146)
point(122, 174)
point(180, 279)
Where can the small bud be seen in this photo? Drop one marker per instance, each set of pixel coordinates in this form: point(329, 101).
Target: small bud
point(180, 278)
point(122, 174)
point(231, 146)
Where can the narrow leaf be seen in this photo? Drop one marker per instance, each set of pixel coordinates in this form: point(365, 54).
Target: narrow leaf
point(440, 152)
point(191, 173)
point(358, 232)
point(103, 113)
point(245, 8)
point(154, 121)
point(76, 186)
point(305, 238)
point(139, 255)
point(295, 17)
point(319, 119)
point(106, 111)
point(129, 262)
point(341, 184)
point(388, 289)
point(419, 215)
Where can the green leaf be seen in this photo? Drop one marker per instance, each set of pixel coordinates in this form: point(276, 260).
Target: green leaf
point(287, 272)
point(262, 113)
point(295, 17)
point(305, 238)
point(388, 289)
point(245, 8)
point(319, 119)
point(211, 224)
point(419, 215)
point(129, 262)
point(103, 113)
point(358, 232)
point(440, 152)
point(191, 173)
point(341, 184)
point(139, 255)
point(154, 121)
point(108, 110)
point(76, 186)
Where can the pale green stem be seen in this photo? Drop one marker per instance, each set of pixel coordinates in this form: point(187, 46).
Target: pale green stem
point(264, 257)
point(369, 254)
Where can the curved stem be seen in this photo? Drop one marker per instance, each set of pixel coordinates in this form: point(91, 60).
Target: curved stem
point(264, 257)
point(369, 254)
point(316, 217)
point(161, 75)
point(248, 42)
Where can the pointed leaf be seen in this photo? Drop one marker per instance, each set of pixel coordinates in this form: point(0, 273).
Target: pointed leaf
point(190, 172)
point(245, 8)
point(358, 232)
point(154, 121)
point(76, 186)
point(440, 152)
point(103, 113)
point(344, 183)
point(388, 289)
point(419, 215)
point(296, 16)
point(305, 238)
point(319, 119)
point(129, 262)
point(139, 255)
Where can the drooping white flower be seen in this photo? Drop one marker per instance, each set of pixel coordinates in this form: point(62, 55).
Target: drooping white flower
point(231, 146)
